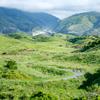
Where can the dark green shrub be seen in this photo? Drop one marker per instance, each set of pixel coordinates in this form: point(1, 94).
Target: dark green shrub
point(43, 96)
point(15, 35)
point(23, 97)
point(5, 96)
point(91, 79)
point(76, 39)
point(41, 38)
point(90, 44)
point(11, 65)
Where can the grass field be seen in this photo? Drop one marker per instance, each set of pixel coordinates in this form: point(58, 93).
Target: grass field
point(47, 69)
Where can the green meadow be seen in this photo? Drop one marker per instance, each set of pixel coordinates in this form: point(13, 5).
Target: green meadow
point(52, 67)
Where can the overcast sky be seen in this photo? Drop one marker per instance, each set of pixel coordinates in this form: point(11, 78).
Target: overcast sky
point(59, 8)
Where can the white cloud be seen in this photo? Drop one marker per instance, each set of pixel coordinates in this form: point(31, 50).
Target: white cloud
point(60, 8)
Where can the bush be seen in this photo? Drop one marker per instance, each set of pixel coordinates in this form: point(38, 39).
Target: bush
point(11, 65)
point(15, 35)
point(77, 39)
point(90, 44)
point(43, 96)
point(41, 38)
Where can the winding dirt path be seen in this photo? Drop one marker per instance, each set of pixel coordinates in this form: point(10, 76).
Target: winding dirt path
point(76, 74)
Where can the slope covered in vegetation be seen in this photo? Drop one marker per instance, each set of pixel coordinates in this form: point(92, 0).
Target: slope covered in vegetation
point(87, 23)
point(46, 68)
point(13, 20)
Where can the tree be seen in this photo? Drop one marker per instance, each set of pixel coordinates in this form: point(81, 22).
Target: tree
point(91, 79)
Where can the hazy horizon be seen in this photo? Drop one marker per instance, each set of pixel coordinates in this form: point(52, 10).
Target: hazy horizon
point(58, 8)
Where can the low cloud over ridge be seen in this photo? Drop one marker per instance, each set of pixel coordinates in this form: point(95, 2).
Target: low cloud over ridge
point(59, 8)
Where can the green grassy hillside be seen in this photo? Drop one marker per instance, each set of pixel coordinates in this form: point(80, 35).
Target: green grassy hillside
point(45, 68)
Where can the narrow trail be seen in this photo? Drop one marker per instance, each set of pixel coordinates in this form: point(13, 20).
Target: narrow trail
point(75, 75)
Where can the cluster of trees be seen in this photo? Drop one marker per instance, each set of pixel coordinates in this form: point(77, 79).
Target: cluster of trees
point(92, 86)
point(76, 39)
point(15, 35)
point(90, 44)
point(41, 38)
point(85, 42)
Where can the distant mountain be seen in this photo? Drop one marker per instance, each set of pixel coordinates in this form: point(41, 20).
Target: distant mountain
point(81, 24)
point(13, 20)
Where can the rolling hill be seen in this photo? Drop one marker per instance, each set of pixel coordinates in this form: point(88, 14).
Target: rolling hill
point(13, 20)
point(81, 24)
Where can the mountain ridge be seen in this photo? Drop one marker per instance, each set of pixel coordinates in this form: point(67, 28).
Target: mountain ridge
point(81, 24)
point(14, 20)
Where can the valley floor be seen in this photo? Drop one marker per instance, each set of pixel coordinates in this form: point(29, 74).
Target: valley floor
point(46, 70)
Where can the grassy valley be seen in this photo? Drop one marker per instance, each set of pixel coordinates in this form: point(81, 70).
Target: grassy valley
point(49, 67)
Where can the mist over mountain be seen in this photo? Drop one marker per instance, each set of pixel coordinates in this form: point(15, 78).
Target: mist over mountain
point(13, 20)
